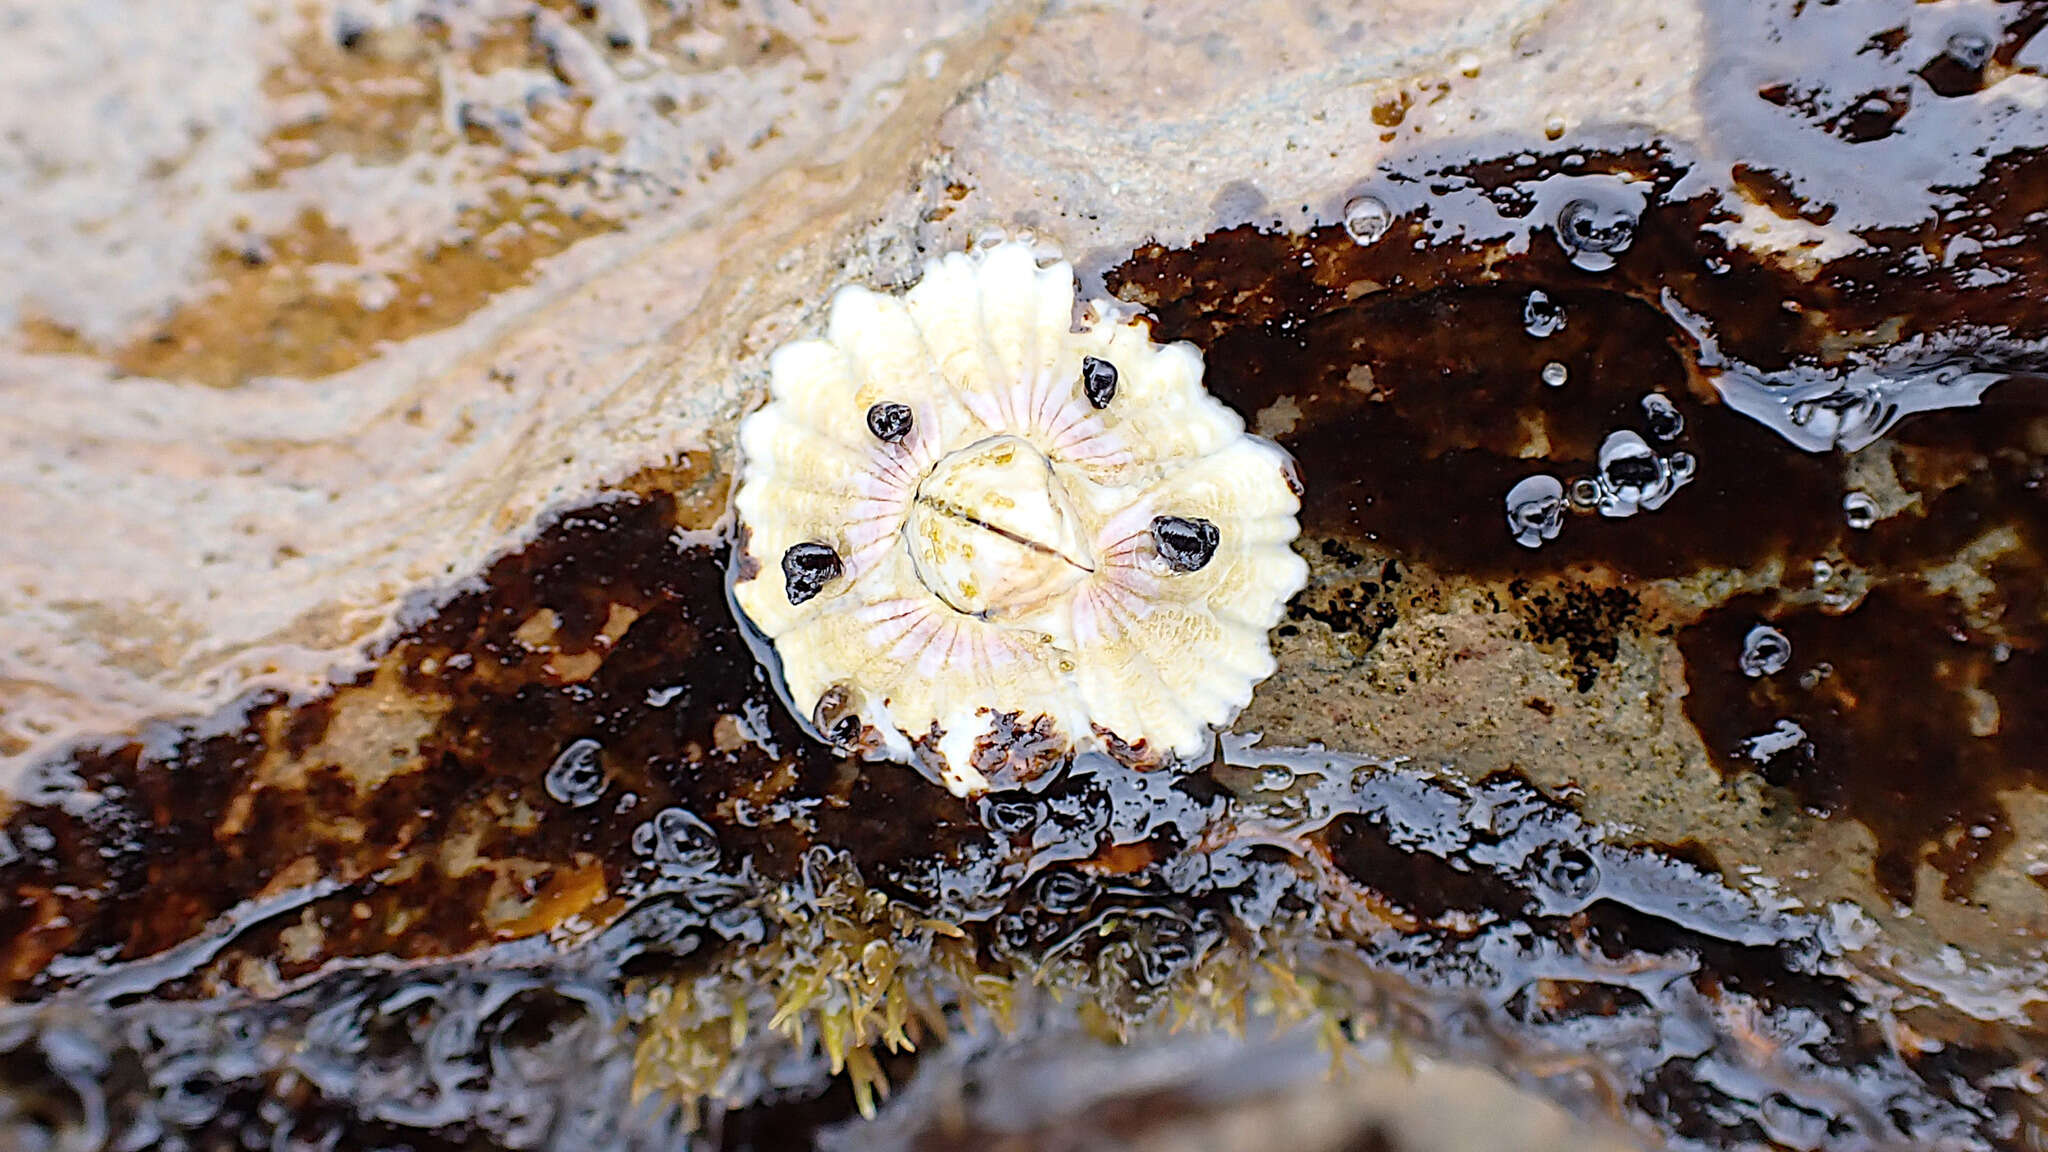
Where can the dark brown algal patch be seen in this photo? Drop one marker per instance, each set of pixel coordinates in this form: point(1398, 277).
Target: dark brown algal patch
point(1905, 718)
point(1353, 596)
point(1419, 883)
point(1422, 404)
point(1414, 387)
point(1585, 619)
point(422, 789)
point(1406, 376)
point(1919, 706)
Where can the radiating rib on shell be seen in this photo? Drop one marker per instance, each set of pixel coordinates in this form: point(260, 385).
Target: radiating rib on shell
point(1105, 637)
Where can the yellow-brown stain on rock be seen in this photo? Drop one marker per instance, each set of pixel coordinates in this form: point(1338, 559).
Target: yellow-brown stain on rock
point(528, 900)
point(370, 733)
point(490, 140)
point(308, 303)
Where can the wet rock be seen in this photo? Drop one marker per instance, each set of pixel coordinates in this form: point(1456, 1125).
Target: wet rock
point(545, 860)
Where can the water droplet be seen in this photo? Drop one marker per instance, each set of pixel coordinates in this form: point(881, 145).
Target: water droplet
point(677, 840)
point(1553, 127)
point(1541, 316)
point(1633, 478)
point(1859, 511)
point(1468, 64)
point(1970, 49)
point(1627, 462)
point(1009, 815)
point(1662, 417)
point(1783, 737)
point(1555, 374)
point(1535, 509)
point(1819, 412)
point(1764, 651)
point(1017, 931)
point(1569, 872)
point(1591, 233)
point(577, 778)
point(1367, 218)
point(1064, 890)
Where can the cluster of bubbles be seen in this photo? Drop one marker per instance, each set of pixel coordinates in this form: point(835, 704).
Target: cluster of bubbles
point(1846, 409)
point(516, 1059)
point(1632, 478)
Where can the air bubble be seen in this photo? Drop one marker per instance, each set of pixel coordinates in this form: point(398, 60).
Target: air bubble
point(577, 778)
point(1784, 736)
point(1555, 374)
point(1570, 873)
point(1585, 493)
point(1822, 412)
point(1765, 651)
point(1541, 316)
point(1662, 417)
point(1591, 234)
point(1535, 509)
point(677, 840)
point(1063, 890)
point(1367, 218)
point(1626, 462)
point(1970, 49)
point(1009, 815)
point(1633, 478)
point(1859, 511)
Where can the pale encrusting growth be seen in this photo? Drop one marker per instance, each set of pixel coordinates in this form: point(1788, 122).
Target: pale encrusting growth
point(962, 520)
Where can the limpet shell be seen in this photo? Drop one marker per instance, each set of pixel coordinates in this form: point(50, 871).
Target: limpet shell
point(999, 565)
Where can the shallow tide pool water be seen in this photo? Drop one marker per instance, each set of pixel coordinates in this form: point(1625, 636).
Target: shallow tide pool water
point(385, 768)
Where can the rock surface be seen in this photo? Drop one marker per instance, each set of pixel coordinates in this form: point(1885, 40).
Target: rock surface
point(383, 764)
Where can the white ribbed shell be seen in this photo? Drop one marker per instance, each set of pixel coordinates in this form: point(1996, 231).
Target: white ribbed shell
point(1050, 599)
